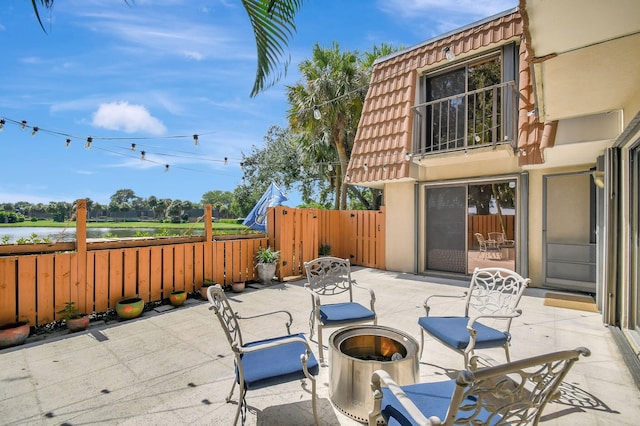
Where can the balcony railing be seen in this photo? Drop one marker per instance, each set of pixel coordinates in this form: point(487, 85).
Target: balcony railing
point(483, 117)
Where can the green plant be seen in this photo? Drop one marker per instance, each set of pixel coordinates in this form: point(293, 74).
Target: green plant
point(267, 255)
point(70, 311)
point(324, 250)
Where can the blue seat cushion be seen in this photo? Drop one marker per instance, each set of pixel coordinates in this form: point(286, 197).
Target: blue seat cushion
point(278, 364)
point(432, 399)
point(345, 312)
point(453, 332)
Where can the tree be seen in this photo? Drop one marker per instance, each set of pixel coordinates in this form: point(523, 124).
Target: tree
point(217, 196)
point(281, 160)
point(328, 76)
point(273, 24)
point(124, 196)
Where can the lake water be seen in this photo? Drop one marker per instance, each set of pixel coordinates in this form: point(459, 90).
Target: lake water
point(69, 234)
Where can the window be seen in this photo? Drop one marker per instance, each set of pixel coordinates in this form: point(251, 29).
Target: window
point(467, 106)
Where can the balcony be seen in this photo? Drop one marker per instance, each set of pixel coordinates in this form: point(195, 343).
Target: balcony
point(485, 117)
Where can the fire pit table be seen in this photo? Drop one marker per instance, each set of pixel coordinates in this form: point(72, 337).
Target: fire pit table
point(355, 352)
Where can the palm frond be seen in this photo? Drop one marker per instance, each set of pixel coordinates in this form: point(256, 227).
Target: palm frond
point(273, 23)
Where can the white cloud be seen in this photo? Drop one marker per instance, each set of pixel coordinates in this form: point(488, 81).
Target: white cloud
point(127, 118)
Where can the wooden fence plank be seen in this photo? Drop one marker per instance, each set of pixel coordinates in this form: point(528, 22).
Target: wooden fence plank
point(8, 289)
point(167, 270)
point(47, 303)
point(27, 289)
point(116, 278)
point(130, 272)
point(156, 273)
point(178, 267)
point(101, 271)
point(144, 274)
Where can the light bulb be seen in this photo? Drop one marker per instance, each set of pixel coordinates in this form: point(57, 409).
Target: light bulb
point(316, 113)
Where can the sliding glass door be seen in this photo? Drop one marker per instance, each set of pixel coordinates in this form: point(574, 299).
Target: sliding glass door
point(470, 225)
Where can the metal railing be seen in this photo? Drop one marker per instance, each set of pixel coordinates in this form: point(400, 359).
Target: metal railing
point(483, 117)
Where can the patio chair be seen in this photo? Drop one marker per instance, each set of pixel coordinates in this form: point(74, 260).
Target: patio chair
point(493, 295)
point(500, 239)
point(265, 362)
point(488, 247)
point(331, 287)
point(514, 393)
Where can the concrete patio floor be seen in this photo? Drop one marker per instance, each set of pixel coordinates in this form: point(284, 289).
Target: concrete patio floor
point(175, 367)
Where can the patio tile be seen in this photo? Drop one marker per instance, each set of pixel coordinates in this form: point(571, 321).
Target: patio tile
point(176, 367)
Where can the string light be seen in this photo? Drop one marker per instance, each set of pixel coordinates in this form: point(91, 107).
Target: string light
point(366, 167)
point(88, 144)
point(2, 123)
point(34, 131)
point(133, 147)
point(316, 113)
point(226, 161)
point(195, 140)
point(142, 153)
point(23, 124)
point(330, 167)
point(67, 143)
point(166, 168)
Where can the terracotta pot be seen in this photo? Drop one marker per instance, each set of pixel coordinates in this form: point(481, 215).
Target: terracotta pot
point(237, 287)
point(203, 291)
point(177, 298)
point(77, 324)
point(130, 308)
point(14, 334)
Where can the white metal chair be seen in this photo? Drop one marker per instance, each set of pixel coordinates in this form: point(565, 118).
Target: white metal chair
point(488, 247)
point(500, 239)
point(331, 287)
point(493, 294)
point(514, 393)
point(265, 362)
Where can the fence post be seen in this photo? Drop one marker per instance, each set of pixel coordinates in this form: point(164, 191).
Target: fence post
point(81, 253)
point(208, 242)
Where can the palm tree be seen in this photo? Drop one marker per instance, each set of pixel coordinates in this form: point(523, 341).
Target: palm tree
point(273, 24)
point(332, 88)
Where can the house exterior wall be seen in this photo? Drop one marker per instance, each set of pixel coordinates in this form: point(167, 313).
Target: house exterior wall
point(401, 239)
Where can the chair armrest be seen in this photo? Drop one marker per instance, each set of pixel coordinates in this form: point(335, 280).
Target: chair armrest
point(372, 295)
point(413, 411)
point(287, 324)
point(315, 297)
point(275, 343)
point(427, 308)
point(473, 319)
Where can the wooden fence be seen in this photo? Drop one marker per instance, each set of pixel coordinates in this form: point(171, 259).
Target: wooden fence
point(484, 224)
point(37, 279)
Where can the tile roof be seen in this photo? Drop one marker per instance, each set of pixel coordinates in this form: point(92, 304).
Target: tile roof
point(385, 129)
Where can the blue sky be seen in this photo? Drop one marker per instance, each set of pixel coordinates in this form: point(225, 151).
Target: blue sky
point(155, 72)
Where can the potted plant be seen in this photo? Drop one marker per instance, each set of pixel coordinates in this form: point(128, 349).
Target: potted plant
point(267, 259)
point(129, 308)
point(206, 283)
point(324, 250)
point(237, 287)
point(74, 320)
point(177, 298)
point(14, 333)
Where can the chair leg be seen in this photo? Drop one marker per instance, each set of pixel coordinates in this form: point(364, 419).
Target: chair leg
point(506, 351)
point(313, 401)
point(312, 321)
point(421, 342)
point(240, 404)
point(320, 348)
point(233, 387)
